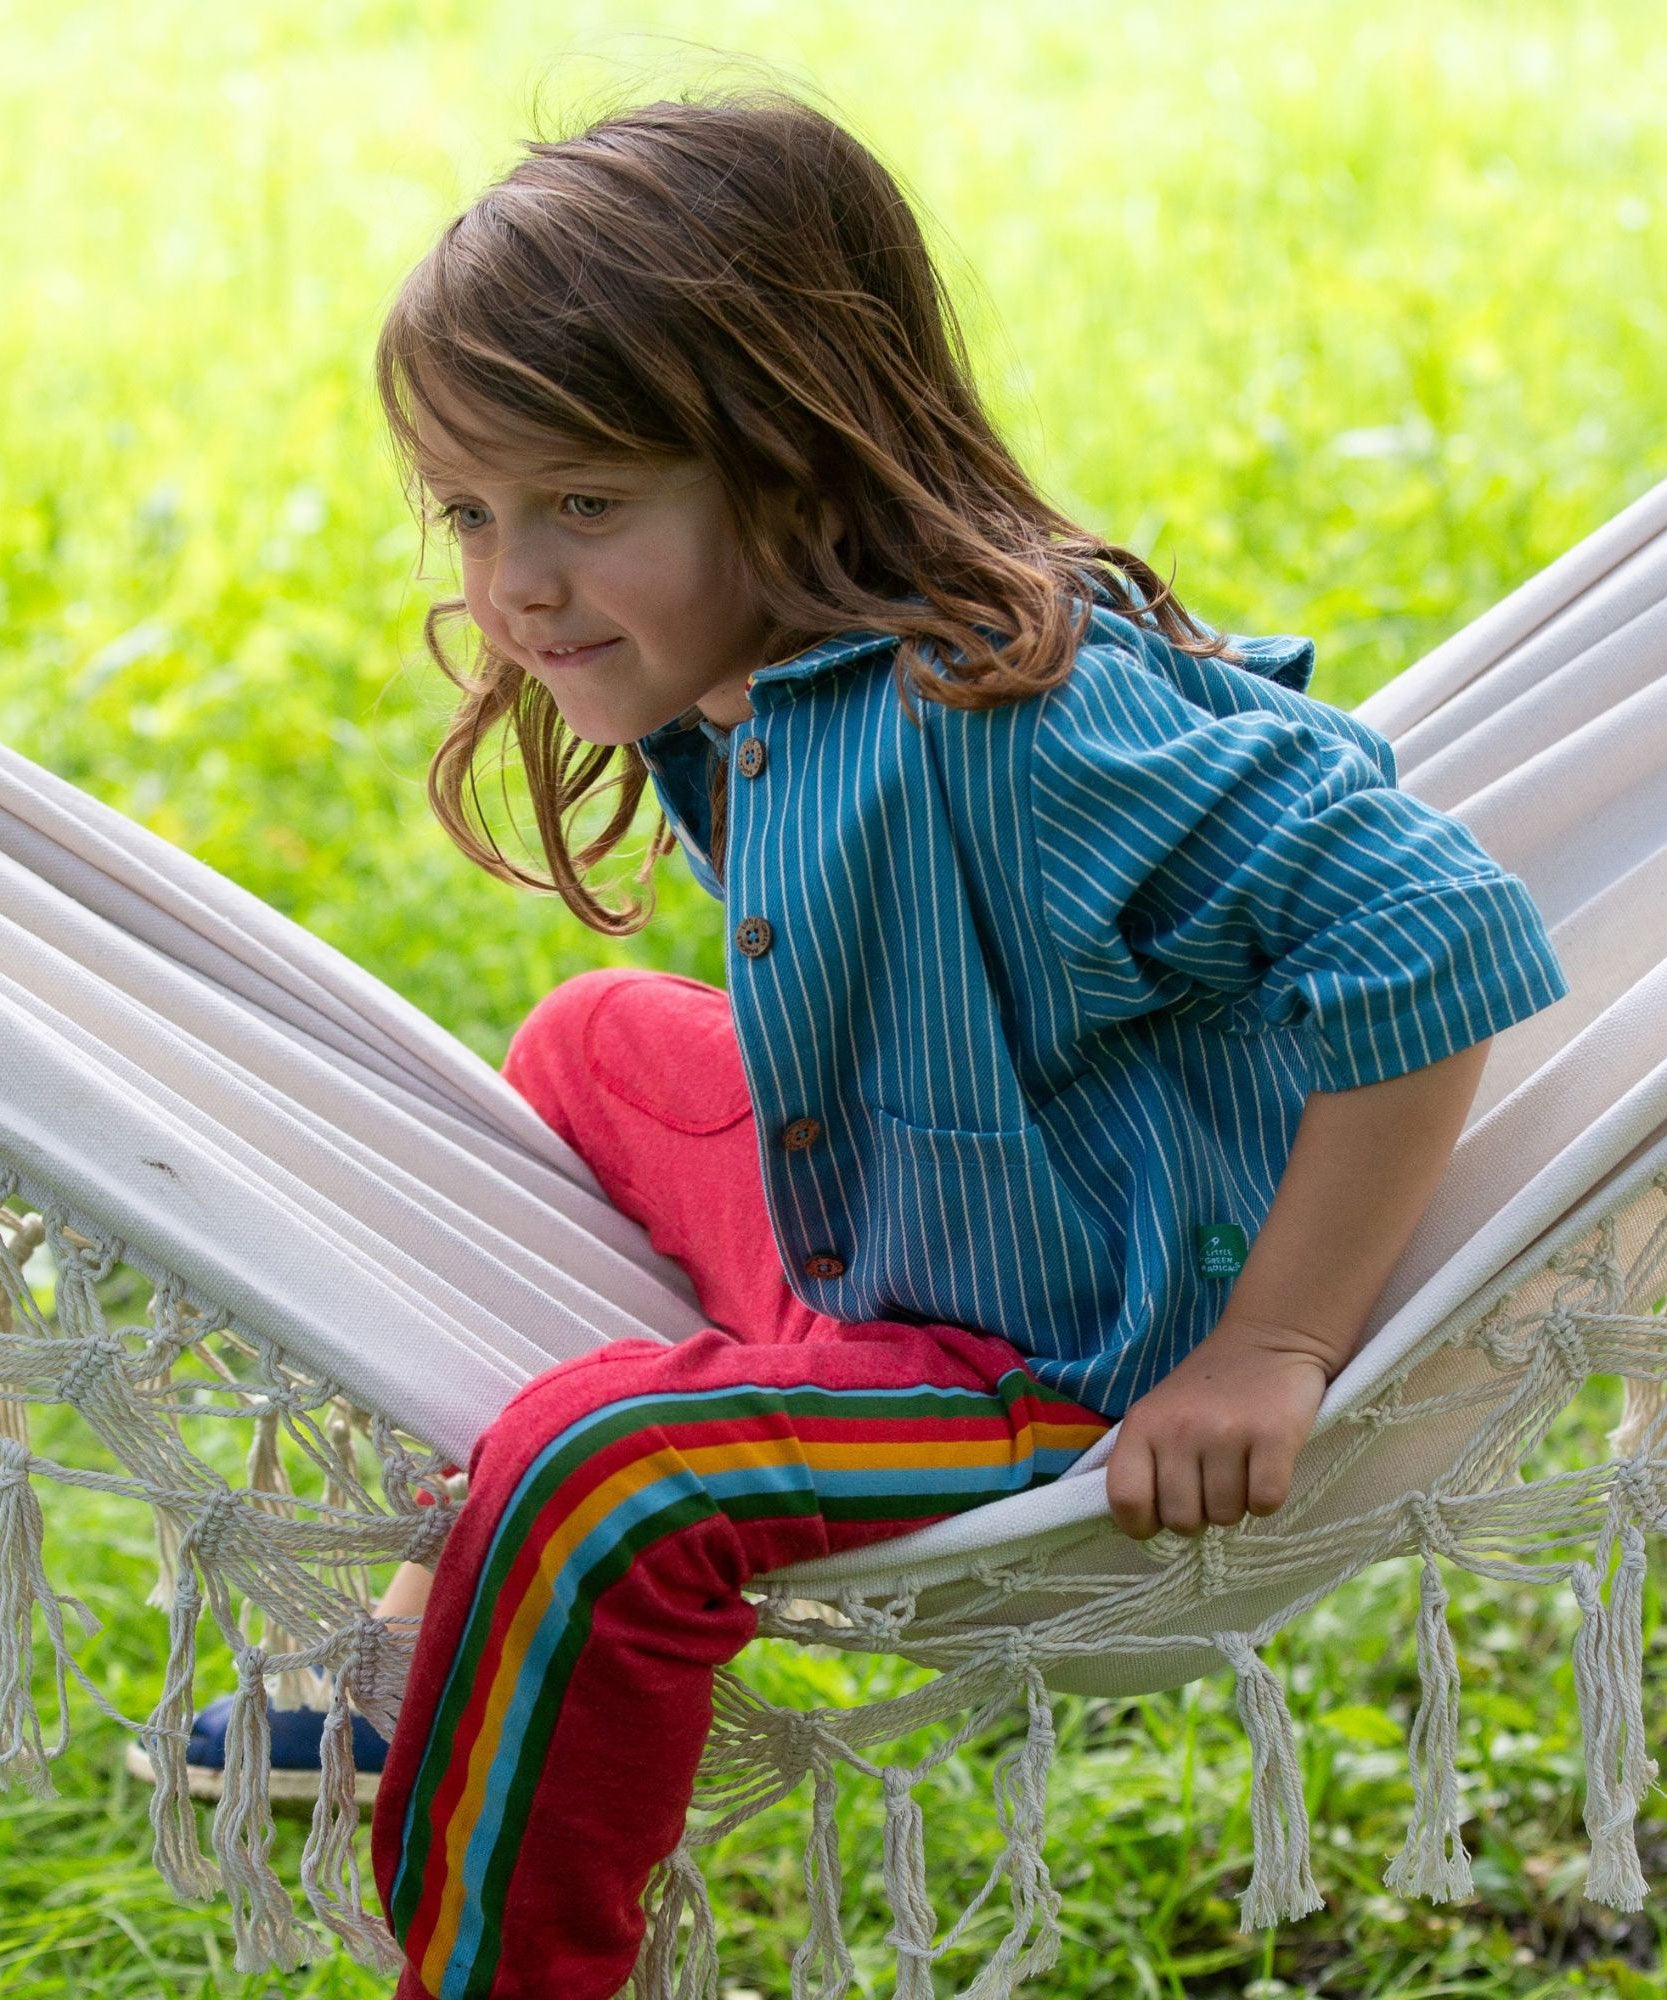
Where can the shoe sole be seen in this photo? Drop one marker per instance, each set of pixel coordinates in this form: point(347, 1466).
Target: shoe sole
point(283, 1788)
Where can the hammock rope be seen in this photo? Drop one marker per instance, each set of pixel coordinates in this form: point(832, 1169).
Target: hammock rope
point(303, 1564)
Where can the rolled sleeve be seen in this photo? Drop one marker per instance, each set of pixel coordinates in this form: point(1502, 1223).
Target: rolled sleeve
point(1265, 858)
point(1414, 981)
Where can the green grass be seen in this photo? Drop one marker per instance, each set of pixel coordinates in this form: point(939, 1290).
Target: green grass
point(1356, 317)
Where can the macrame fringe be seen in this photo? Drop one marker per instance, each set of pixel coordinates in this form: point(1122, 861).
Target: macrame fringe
point(81, 1362)
point(329, 1854)
point(824, 1940)
point(904, 1871)
point(175, 1848)
point(292, 1687)
point(1021, 1789)
point(24, 1757)
point(1433, 1862)
point(678, 1885)
point(263, 1916)
point(1609, 1682)
point(1280, 1882)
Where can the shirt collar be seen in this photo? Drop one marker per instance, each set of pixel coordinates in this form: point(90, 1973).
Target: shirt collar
point(811, 664)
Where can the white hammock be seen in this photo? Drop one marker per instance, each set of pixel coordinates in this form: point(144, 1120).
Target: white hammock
point(344, 1211)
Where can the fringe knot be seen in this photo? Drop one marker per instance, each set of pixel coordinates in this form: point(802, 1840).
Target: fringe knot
point(214, 1521)
point(1429, 1525)
point(1568, 1344)
point(99, 1352)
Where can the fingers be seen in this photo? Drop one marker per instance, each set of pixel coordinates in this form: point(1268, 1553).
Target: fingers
point(1185, 1491)
point(1181, 1492)
point(1226, 1480)
point(1269, 1480)
point(1131, 1487)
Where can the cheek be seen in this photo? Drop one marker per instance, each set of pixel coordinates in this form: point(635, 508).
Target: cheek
point(480, 606)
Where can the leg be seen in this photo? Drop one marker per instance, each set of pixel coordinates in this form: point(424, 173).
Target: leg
point(560, 1693)
point(640, 1072)
point(407, 1594)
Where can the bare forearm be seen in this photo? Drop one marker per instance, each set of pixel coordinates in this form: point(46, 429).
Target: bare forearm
point(1220, 1433)
point(1363, 1168)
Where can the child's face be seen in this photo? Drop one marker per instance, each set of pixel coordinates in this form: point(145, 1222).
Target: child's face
point(646, 559)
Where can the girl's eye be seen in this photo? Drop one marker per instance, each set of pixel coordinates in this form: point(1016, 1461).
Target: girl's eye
point(452, 513)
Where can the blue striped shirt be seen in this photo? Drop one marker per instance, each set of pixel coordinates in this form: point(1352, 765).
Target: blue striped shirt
point(1030, 999)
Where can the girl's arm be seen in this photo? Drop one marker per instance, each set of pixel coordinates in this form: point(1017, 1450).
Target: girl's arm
point(1220, 1433)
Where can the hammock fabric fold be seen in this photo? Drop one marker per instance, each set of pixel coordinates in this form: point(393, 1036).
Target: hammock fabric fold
point(361, 1242)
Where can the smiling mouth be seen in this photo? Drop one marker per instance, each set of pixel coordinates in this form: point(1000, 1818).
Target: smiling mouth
point(579, 656)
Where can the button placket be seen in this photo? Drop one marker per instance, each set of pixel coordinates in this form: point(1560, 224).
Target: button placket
point(754, 935)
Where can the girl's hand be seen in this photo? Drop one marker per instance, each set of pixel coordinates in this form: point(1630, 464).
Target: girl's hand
point(1218, 1436)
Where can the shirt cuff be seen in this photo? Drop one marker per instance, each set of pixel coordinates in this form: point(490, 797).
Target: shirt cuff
point(1404, 985)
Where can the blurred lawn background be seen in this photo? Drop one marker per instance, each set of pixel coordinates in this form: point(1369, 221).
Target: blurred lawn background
point(1355, 318)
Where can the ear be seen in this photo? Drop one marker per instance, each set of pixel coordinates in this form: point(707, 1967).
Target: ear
point(830, 515)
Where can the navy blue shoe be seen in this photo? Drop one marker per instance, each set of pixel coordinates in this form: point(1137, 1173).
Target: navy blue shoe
point(297, 1741)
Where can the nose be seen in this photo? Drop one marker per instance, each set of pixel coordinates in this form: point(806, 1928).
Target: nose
point(526, 578)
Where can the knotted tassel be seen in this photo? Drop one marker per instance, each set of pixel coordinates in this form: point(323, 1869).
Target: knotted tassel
point(23, 1584)
point(1021, 1786)
point(1433, 1861)
point(824, 1881)
point(678, 1885)
point(269, 1490)
point(1280, 1882)
point(175, 1849)
point(263, 1917)
point(916, 1922)
point(329, 1851)
point(1608, 1679)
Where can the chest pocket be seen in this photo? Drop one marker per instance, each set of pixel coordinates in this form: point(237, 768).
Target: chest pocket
point(961, 1207)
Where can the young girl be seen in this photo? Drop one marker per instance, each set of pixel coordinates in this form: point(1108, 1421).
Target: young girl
point(1099, 1021)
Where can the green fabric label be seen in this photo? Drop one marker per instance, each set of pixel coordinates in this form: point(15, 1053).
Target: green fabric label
point(1221, 1249)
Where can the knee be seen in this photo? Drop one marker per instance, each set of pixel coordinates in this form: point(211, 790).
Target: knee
point(545, 1061)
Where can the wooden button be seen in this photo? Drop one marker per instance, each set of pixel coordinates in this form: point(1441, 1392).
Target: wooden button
point(753, 935)
point(824, 1264)
point(749, 759)
point(801, 1133)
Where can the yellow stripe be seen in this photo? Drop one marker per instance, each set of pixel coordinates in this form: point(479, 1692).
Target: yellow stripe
point(630, 1479)
point(595, 1507)
point(838, 1456)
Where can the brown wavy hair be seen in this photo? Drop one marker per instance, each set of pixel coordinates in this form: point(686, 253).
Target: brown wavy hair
point(734, 276)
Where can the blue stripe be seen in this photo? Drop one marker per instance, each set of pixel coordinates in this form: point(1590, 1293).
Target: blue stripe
point(595, 1549)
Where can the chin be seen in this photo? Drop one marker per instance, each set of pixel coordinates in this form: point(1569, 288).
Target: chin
point(603, 734)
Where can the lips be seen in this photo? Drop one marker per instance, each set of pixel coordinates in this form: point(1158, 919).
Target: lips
point(580, 657)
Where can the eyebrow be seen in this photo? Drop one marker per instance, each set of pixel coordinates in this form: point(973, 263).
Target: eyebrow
point(432, 469)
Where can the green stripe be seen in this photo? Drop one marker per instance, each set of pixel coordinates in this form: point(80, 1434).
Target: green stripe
point(546, 1713)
